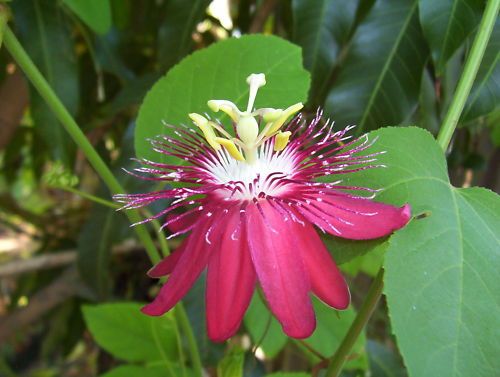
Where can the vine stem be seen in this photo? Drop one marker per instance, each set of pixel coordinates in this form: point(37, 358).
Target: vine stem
point(357, 326)
point(42, 86)
point(469, 74)
point(444, 137)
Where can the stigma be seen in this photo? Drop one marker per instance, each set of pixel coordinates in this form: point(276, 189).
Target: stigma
point(253, 127)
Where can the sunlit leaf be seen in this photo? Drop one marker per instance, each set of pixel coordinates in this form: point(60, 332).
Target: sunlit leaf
point(220, 72)
point(379, 81)
point(95, 13)
point(126, 333)
point(441, 269)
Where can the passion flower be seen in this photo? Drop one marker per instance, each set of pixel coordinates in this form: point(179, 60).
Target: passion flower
point(251, 203)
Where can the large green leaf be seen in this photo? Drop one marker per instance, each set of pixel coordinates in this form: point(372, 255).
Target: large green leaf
point(441, 270)
point(220, 72)
point(45, 34)
point(321, 27)
point(174, 34)
point(447, 24)
point(95, 13)
point(485, 94)
point(379, 82)
point(122, 330)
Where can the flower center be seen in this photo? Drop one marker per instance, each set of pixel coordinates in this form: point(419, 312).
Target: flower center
point(269, 174)
point(244, 146)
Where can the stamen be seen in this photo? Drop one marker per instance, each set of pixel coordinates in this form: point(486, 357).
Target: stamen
point(284, 116)
point(207, 130)
point(230, 148)
point(281, 140)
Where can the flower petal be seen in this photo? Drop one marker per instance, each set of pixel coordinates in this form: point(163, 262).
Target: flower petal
point(280, 269)
point(191, 262)
point(167, 264)
point(326, 280)
point(230, 281)
point(356, 218)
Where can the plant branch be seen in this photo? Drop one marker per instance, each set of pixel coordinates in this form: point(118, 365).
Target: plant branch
point(357, 326)
point(469, 74)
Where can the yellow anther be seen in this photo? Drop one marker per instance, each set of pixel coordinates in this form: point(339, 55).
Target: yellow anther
point(226, 106)
point(272, 115)
point(206, 128)
point(281, 140)
point(284, 116)
point(231, 148)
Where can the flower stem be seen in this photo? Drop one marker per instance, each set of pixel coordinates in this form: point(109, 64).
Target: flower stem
point(46, 92)
point(444, 137)
point(357, 326)
point(469, 74)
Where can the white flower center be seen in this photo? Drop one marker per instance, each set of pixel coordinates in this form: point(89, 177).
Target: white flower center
point(267, 176)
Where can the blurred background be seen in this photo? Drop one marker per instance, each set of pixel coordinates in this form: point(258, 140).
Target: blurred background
point(60, 248)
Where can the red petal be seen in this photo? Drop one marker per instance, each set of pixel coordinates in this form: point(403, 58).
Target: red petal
point(182, 221)
point(230, 281)
point(191, 262)
point(280, 269)
point(356, 218)
point(167, 265)
point(326, 280)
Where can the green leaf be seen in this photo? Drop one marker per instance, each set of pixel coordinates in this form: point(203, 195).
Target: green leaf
point(122, 330)
point(146, 371)
point(45, 34)
point(103, 228)
point(264, 329)
point(288, 374)
point(232, 364)
point(194, 302)
point(484, 97)
point(95, 13)
point(332, 325)
point(442, 269)
point(134, 371)
point(427, 115)
point(220, 72)
point(447, 24)
point(384, 362)
point(379, 82)
point(321, 28)
point(174, 35)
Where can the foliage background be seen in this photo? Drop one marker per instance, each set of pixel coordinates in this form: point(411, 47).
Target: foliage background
point(372, 63)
